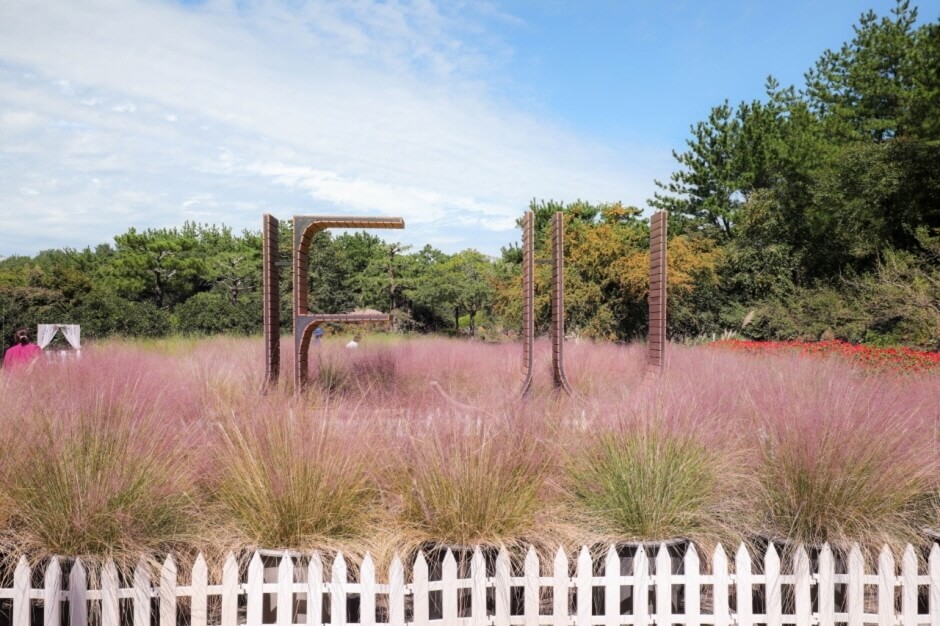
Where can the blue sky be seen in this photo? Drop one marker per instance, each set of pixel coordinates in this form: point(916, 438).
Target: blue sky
point(452, 115)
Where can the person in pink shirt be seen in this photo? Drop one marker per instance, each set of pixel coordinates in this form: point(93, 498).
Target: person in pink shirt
point(23, 352)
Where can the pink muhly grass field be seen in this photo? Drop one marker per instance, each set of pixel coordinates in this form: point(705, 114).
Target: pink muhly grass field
point(415, 431)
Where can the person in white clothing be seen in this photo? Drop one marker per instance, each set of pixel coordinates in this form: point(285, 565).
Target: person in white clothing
point(354, 343)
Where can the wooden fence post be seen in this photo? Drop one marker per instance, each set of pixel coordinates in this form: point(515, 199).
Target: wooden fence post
point(78, 595)
point(52, 594)
point(229, 592)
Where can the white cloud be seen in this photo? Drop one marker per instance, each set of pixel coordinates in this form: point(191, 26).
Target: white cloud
point(360, 106)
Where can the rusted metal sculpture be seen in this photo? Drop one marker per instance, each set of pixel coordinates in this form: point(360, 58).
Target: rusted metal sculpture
point(557, 333)
point(657, 290)
point(305, 227)
point(558, 303)
point(528, 300)
point(270, 281)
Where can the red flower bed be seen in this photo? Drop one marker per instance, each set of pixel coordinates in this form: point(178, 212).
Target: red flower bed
point(897, 359)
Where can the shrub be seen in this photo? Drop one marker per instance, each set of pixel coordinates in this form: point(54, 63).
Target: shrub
point(102, 314)
point(212, 313)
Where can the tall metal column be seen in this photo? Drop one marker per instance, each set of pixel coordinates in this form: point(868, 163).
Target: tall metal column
point(558, 303)
point(270, 281)
point(657, 290)
point(528, 300)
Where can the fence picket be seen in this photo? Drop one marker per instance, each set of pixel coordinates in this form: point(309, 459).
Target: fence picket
point(110, 609)
point(530, 570)
point(285, 591)
point(612, 588)
point(583, 587)
point(141, 594)
point(338, 591)
point(396, 593)
point(449, 592)
point(826, 588)
point(693, 601)
point(420, 591)
point(560, 589)
point(78, 595)
point(663, 586)
point(315, 590)
point(641, 587)
point(856, 587)
point(367, 592)
point(743, 586)
point(21, 586)
point(772, 586)
point(909, 587)
point(886, 584)
point(168, 574)
point(52, 594)
point(199, 603)
point(255, 589)
point(801, 586)
point(933, 565)
point(502, 588)
point(229, 592)
point(720, 584)
point(478, 588)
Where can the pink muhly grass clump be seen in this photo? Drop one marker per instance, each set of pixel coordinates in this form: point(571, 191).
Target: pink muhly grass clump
point(659, 468)
point(474, 482)
point(286, 477)
point(844, 456)
point(100, 481)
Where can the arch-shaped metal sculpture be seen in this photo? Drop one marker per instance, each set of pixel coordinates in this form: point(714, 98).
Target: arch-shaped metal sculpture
point(557, 333)
point(305, 227)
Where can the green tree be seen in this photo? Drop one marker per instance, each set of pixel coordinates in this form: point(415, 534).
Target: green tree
point(159, 265)
point(865, 90)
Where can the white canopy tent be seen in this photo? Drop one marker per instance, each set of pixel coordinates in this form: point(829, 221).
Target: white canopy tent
point(71, 332)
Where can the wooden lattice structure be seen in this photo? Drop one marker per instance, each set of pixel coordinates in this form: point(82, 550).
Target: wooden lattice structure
point(657, 290)
point(270, 281)
point(305, 227)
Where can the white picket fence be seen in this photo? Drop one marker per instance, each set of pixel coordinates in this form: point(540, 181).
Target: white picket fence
point(531, 595)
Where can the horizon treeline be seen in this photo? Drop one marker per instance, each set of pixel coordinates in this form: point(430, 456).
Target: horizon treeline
point(811, 213)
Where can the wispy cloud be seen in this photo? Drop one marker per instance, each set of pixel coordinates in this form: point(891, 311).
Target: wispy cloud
point(225, 110)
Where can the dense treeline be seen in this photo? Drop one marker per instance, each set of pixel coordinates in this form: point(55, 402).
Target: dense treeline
point(206, 279)
point(814, 212)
